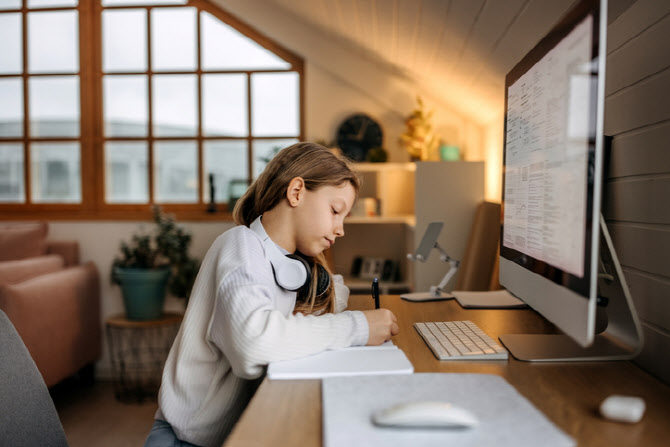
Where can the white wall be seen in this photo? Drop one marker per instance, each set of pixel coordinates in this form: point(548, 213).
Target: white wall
point(342, 79)
point(339, 81)
point(99, 242)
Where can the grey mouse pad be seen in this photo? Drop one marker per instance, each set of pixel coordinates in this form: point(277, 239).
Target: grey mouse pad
point(506, 418)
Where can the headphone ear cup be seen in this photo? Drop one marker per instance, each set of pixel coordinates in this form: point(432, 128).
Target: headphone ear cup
point(307, 268)
point(323, 279)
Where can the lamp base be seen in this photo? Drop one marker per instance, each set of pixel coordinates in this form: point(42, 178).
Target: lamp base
point(426, 296)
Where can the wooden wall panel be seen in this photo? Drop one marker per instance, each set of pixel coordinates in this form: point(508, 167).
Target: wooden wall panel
point(646, 102)
point(650, 293)
point(643, 247)
point(636, 198)
point(655, 356)
point(637, 17)
point(646, 151)
point(621, 200)
point(639, 58)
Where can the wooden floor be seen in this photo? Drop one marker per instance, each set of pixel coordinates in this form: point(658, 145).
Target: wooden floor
point(91, 415)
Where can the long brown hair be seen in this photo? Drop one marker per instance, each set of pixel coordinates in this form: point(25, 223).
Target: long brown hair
point(317, 166)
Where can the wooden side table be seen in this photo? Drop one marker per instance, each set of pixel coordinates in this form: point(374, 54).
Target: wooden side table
point(138, 350)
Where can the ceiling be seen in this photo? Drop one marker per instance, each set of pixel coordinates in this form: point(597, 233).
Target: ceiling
point(458, 50)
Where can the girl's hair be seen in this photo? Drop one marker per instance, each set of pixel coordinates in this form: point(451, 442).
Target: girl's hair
point(317, 166)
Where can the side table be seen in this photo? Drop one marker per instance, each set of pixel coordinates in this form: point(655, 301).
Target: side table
point(138, 350)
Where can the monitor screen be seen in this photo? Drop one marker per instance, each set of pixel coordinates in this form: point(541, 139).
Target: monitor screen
point(552, 175)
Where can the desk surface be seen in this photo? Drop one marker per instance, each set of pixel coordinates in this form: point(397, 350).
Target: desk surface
point(288, 413)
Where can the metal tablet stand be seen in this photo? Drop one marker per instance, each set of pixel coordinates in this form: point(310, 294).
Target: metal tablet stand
point(428, 242)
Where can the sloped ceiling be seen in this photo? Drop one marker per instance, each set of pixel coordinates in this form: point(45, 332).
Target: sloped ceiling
point(457, 51)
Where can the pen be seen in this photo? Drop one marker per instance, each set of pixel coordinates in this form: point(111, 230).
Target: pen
point(375, 292)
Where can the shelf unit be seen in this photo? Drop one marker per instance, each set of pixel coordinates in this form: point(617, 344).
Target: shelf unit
point(411, 195)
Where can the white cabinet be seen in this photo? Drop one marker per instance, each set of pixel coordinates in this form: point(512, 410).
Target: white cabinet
point(410, 196)
point(448, 192)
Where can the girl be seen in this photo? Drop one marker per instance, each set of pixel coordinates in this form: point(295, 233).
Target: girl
point(239, 318)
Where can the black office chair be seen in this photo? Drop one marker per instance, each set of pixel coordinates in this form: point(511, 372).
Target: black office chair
point(27, 414)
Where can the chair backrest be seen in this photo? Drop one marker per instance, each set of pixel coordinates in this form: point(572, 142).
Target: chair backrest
point(478, 269)
point(28, 415)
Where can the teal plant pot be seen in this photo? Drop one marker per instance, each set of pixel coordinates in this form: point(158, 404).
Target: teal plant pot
point(143, 291)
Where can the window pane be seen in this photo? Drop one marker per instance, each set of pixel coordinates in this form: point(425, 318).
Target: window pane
point(54, 106)
point(50, 3)
point(275, 104)
point(175, 171)
point(10, 4)
point(175, 105)
point(53, 42)
point(265, 150)
point(55, 173)
point(11, 58)
point(225, 48)
point(11, 112)
point(224, 104)
point(125, 102)
point(173, 44)
point(126, 174)
point(124, 40)
point(227, 161)
point(142, 2)
point(11, 173)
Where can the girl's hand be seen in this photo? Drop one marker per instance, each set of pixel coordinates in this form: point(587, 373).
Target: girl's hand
point(382, 324)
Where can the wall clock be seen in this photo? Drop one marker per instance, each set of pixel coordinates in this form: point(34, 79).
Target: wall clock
point(357, 135)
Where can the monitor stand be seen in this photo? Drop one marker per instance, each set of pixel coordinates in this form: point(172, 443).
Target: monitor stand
point(621, 340)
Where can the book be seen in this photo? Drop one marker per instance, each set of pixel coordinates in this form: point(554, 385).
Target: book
point(354, 361)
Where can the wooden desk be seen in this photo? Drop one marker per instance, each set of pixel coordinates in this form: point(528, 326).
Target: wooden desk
point(288, 413)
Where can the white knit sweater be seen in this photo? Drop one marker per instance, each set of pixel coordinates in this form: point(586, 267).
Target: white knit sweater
point(238, 320)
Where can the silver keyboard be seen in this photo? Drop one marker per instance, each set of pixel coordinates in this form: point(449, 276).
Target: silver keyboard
point(460, 340)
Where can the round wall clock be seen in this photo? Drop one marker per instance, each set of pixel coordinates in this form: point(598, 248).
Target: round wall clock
point(357, 135)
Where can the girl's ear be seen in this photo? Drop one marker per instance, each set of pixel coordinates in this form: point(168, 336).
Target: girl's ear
point(295, 191)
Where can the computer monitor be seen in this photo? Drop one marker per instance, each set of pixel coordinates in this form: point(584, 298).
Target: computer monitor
point(553, 151)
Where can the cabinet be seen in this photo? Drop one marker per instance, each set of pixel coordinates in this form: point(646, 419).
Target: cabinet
point(410, 196)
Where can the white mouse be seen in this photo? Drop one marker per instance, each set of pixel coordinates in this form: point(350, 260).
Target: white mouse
point(623, 408)
point(425, 414)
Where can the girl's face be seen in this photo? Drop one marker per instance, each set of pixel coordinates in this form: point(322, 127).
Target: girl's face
point(321, 217)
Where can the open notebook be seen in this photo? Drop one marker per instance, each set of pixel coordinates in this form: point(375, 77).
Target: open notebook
point(354, 361)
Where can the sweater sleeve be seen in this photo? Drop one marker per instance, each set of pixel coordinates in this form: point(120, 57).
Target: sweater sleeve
point(251, 332)
point(341, 293)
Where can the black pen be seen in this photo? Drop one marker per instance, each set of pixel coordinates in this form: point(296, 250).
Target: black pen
point(375, 292)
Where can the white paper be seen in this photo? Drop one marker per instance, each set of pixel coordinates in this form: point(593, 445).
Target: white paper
point(354, 361)
point(494, 299)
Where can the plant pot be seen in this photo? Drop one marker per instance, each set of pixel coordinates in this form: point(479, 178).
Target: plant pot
point(143, 291)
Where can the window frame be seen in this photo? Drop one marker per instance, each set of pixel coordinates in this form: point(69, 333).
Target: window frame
point(92, 138)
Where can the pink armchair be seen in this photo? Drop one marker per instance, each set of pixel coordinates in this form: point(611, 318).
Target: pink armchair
point(51, 299)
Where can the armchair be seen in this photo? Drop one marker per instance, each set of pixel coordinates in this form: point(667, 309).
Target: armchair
point(51, 299)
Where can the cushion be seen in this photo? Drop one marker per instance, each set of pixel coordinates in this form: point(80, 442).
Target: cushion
point(13, 272)
point(25, 240)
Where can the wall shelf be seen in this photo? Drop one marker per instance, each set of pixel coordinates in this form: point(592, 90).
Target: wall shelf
point(409, 220)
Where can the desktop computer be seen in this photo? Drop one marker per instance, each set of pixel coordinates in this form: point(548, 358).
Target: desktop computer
point(555, 251)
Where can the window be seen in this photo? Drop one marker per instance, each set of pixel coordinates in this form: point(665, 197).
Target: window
point(112, 105)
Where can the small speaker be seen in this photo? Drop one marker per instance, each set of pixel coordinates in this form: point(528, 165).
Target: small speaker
point(356, 266)
point(389, 271)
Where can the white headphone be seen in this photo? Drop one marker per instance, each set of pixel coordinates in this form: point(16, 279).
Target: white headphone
point(291, 271)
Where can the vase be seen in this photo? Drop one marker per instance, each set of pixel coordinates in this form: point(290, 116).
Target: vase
point(143, 291)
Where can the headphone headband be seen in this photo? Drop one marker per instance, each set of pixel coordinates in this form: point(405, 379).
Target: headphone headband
point(290, 273)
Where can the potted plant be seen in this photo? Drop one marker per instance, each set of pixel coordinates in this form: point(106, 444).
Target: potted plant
point(153, 263)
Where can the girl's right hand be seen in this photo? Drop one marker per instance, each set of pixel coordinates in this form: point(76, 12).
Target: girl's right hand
point(382, 324)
